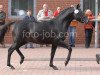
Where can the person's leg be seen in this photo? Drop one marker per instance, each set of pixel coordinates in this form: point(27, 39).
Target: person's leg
point(90, 35)
point(26, 46)
point(69, 35)
point(31, 45)
point(86, 38)
point(70, 38)
point(73, 36)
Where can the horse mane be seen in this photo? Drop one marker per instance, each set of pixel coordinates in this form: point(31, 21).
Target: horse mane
point(63, 11)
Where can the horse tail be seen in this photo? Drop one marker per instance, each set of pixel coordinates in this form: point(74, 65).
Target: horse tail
point(7, 25)
point(4, 29)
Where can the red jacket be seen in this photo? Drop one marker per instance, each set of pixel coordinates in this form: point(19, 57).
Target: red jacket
point(56, 13)
point(89, 25)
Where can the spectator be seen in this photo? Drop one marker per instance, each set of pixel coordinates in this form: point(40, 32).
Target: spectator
point(72, 32)
point(2, 22)
point(56, 13)
point(44, 14)
point(2, 16)
point(30, 18)
point(88, 28)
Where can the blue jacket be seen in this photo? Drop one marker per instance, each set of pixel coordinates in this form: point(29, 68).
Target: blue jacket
point(31, 18)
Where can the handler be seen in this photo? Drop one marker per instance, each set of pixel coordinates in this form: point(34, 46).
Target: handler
point(2, 15)
point(2, 22)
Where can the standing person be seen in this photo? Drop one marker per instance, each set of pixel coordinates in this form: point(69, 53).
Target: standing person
point(2, 16)
point(56, 13)
point(88, 28)
point(2, 22)
point(30, 18)
point(44, 15)
point(72, 32)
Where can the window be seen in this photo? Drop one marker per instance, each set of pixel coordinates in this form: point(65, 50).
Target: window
point(18, 8)
point(90, 4)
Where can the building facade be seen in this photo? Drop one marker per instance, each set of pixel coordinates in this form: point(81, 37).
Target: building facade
point(12, 7)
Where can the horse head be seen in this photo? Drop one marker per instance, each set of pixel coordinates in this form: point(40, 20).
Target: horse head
point(79, 15)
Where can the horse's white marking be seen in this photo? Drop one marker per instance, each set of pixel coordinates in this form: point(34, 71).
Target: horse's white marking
point(76, 11)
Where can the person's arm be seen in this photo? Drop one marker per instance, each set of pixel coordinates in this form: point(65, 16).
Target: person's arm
point(33, 19)
point(25, 18)
point(39, 17)
point(51, 14)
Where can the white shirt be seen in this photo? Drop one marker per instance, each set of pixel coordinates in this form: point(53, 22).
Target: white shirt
point(41, 15)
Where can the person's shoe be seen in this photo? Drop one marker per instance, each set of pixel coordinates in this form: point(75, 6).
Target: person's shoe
point(25, 47)
point(41, 45)
point(73, 45)
point(86, 46)
point(31, 47)
point(47, 45)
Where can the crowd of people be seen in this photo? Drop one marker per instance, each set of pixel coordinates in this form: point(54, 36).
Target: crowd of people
point(46, 14)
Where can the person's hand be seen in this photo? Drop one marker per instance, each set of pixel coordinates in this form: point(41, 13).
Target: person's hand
point(45, 17)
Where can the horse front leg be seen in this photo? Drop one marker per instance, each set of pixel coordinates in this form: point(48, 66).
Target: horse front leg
point(53, 50)
point(64, 45)
point(10, 51)
point(21, 55)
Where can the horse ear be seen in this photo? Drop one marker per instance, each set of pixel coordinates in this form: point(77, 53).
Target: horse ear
point(78, 6)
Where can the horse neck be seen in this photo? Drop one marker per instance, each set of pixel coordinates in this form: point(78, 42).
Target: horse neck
point(64, 20)
point(66, 24)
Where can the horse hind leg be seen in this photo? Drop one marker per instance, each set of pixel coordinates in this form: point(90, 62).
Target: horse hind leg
point(15, 46)
point(21, 55)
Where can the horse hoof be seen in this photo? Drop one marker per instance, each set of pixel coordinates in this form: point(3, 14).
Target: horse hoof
point(54, 67)
point(66, 63)
point(97, 58)
point(11, 67)
point(21, 61)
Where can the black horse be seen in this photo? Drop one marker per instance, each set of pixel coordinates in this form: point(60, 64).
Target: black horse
point(45, 32)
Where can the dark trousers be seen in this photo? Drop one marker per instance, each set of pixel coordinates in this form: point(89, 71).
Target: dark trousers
point(88, 37)
point(31, 45)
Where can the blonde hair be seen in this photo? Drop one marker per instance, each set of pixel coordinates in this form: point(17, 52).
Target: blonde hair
point(45, 5)
point(88, 12)
point(58, 8)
